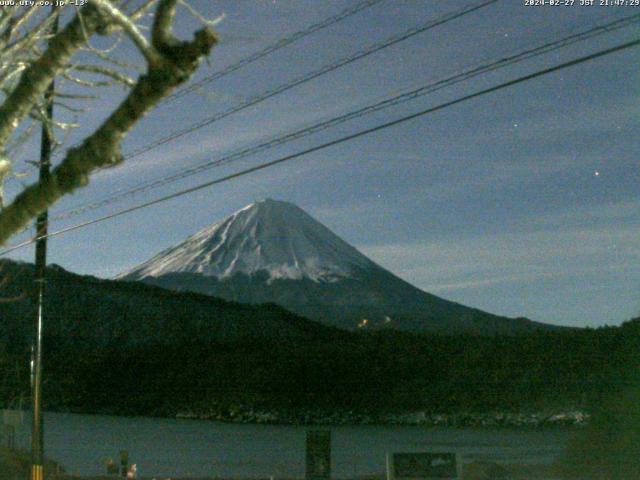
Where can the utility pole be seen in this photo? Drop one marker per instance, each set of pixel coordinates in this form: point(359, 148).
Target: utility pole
point(37, 447)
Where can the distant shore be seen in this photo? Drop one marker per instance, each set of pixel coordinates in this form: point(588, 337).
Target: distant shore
point(551, 419)
point(247, 415)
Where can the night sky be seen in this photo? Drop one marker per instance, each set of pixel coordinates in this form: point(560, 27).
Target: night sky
point(522, 202)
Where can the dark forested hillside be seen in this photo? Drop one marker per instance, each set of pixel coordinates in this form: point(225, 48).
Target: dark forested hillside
point(84, 312)
point(128, 348)
point(378, 373)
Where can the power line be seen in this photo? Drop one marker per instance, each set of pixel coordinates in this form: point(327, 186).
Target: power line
point(369, 50)
point(374, 48)
point(283, 42)
point(338, 141)
point(398, 99)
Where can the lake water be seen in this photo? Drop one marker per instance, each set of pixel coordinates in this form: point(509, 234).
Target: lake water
point(173, 447)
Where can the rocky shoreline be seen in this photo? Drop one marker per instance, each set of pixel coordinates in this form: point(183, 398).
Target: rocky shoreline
point(240, 414)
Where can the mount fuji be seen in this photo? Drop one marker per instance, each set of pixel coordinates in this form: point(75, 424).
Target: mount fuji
point(274, 252)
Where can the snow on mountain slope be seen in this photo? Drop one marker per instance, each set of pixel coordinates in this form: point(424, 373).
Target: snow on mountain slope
point(273, 252)
point(266, 236)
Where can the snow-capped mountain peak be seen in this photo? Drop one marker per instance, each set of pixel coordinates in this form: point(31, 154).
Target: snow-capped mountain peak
point(269, 236)
point(274, 252)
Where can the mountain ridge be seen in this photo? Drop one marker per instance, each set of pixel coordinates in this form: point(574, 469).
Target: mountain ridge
point(103, 314)
point(261, 238)
point(273, 251)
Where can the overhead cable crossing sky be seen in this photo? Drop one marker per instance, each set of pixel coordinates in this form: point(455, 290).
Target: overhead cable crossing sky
point(468, 74)
point(344, 139)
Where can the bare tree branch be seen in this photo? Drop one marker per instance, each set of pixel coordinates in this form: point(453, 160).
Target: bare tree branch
point(130, 29)
point(161, 35)
point(38, 76)
point(176, 62)
point(142, 10)
point(9, 24)
point(205, 21)
point(107, 72)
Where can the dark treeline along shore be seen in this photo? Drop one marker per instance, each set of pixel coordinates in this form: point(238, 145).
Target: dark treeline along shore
point(128, 348)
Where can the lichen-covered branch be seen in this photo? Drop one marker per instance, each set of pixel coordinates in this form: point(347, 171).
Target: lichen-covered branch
point(161, 36)
point(177, 62)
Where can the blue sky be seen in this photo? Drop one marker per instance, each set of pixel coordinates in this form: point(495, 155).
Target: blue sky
point(523, 202)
